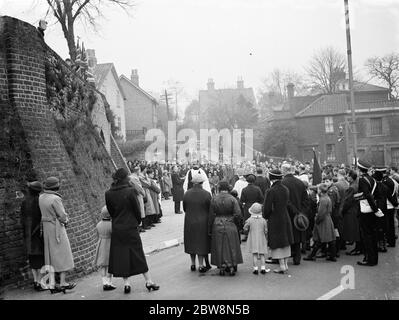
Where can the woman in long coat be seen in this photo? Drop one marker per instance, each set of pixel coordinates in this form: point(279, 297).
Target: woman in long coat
point(196, 203)
point(57, 249)
point(350, 212)
point(250, 194)
point(275, 211)
point(30, 219)
point(149, 203)
point(177, 188)
point(155, 191)
point(225, 243)
point(126, 256)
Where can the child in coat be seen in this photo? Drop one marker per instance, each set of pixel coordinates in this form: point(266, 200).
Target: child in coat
point(104, 230)
point(323, 231)
point(256, 227)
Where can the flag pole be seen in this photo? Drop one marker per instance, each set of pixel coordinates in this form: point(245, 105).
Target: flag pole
point(350, 69)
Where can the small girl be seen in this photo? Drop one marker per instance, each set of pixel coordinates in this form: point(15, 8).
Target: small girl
point(104, 229)
point(257, 238)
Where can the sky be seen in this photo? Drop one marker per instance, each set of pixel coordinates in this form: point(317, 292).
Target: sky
point(190, 41)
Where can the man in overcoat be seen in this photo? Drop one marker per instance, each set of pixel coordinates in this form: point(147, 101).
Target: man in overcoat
point(298, 202)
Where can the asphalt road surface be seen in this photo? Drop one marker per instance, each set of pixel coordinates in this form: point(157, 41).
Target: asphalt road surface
point(311, 280)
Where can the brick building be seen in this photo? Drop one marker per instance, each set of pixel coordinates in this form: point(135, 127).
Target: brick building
point(107, 82)
point(222, 97)
point(319, 119)
point(141, 108)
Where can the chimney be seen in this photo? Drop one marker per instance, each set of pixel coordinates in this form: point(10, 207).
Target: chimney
point(135, 77)
point(240, 83)
point(290, 91)
point(211, 84)
point(91, 57)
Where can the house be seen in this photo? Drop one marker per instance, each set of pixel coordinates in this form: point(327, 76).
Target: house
point(107, 82)
point(141, 108)
point(323, 122)
point(221, 97)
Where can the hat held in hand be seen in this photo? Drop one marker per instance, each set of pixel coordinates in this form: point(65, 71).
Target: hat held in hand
point(301, 222)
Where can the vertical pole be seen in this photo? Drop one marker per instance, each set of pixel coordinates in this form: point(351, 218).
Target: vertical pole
point(167, 104)
point(350, 69)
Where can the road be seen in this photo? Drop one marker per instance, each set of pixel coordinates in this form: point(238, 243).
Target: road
point(170, 268)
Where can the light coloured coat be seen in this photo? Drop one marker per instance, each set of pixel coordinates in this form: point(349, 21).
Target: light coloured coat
point(57, 249)
point(256, 227)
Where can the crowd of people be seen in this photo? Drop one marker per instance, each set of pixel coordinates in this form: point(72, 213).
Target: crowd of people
point(278, 209)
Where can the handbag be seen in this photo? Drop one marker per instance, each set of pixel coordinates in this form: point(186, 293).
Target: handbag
point(364, 204)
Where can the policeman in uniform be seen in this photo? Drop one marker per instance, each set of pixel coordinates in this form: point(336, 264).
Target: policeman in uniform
point(392, 204)
point(368, 220)
point(381, 198)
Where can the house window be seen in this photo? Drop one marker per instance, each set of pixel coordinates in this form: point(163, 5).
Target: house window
point(375, 126)
point(118, 100)
point(330, 152)
point(119, 123)
point(329, 124)
point(377, 155)
point(395, 156)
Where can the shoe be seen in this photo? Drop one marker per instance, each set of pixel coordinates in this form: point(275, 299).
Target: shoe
point(255, 272)
point(365, 263)
point(202, 269)
point(37, 286)
point(146, 228)
point(296, 263)
point(159, 221)
point(151, 286)
point(331, 259)
point(69, 286)
point(141, 229)
point(193, 268)
point(152, 225)
point(264, 271)
point(321, 256)
point(108, 287)
point(127, 289)
point(235, 268)
point(208, 267)
point(222, 272)
point(279, 271)
point(232, 273)
point(244, 239)
point(353, 253)
point(309, 259)
point(57, 290)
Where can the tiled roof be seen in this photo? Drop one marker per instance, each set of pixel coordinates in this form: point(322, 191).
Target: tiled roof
point(101, 71)
point(360, 86)
point(226, 96)
point(326, 105)
point(145, 93)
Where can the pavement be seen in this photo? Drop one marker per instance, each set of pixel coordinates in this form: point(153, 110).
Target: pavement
point(320, 280)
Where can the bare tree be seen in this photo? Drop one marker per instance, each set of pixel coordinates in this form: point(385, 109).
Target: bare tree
point(325, 69)
point(386, 69)
point(68, 12)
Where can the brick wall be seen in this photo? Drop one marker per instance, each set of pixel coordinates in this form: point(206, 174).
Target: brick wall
point(32, 147)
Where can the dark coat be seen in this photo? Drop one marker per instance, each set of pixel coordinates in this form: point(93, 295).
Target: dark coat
point(275, 211)
point(249, 195)
point(350, 213)
point(196, 203)
point(298, 202)
point(263, 183)
point(225, 243)
point(126, 254)
point(177, 187)
point(30, 219)
point(366, 184)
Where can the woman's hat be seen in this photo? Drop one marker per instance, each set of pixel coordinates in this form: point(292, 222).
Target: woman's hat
point(256, 208)
point(251, 178)
point(105, 213)
point(301, 222)
point(197, 177)
point(240, 172)
point(35, 185)
point(275, 175)
point(120, 174)
point(51, 183)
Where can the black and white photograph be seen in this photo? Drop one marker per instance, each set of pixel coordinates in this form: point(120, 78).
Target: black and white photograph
point(226, 151)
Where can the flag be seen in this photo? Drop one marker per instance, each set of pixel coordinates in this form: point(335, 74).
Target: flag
point(316, 176)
